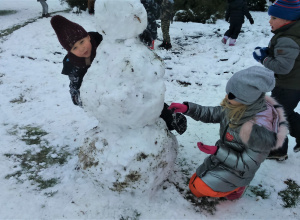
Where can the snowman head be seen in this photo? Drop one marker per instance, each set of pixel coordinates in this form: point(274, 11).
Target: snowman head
point(120, 19)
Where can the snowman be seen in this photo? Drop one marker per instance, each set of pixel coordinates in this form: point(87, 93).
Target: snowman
point(131, 149)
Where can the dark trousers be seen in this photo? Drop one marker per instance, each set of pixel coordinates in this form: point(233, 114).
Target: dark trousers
point(91, 4)
point(289, 99)
point(45, 6)
point(234, 30)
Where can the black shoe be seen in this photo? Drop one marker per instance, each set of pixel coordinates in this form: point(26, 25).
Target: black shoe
point(297, 148)
point(276, 155)
point(162, 45)
point(165, 45)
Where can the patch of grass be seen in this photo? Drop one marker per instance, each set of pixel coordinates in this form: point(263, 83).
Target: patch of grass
point(44, 184)
point(7, 12)
point(135, 216)
point(132, 177)
point(33, 135)
point(259, 191)
point(32, 162)
point(290, 196)
point(1, 75)
point(208, 204)
point(50, 194)
point(19, 100)
point(10, 30)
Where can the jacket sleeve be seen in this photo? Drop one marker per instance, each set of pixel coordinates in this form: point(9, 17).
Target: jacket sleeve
point(246, 11)
point(204, 113)
point(254, 151)
point(75, 75)
point(75, 82)
point(285, 53)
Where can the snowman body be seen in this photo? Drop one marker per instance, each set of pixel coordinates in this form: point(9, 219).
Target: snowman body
point(131, 148)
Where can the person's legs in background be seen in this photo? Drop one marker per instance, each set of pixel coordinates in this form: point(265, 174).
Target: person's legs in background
point(289, 99)
point(45, 8)
point(91, 7)
point(165, 26)
point(234, 31)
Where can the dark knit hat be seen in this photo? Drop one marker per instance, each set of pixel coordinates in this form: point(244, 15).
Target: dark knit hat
point(68, 32)
point(249, 84)
point(285, 9)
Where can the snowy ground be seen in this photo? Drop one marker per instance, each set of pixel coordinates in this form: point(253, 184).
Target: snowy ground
point(41, 130)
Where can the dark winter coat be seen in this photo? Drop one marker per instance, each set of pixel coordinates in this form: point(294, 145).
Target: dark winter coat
point(166, 11)
point(236, 10)
point(77, 72)
point(152, 9)
point(242, 149)
point(284, 56)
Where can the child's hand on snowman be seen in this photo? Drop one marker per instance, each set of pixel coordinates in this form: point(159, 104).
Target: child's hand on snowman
point(206, 148)
point(178, 108)
point(260, 53)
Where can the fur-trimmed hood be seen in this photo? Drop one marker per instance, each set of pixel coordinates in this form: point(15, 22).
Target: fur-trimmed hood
point(272, 118)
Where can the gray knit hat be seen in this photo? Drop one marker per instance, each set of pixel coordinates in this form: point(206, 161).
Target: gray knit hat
point(248, 85)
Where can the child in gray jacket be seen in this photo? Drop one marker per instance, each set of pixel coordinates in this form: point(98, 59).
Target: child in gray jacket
point(282, 56)
point(251, 124)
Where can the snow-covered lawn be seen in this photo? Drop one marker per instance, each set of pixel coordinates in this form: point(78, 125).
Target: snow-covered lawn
point(41, 130)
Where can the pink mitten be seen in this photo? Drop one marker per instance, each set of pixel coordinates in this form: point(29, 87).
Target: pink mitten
point(206, 148)
point(177, 107)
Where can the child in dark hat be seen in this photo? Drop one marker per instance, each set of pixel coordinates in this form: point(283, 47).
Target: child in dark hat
point(282, 56)
point(81, 47)
point(235, 15)
point(251, 124)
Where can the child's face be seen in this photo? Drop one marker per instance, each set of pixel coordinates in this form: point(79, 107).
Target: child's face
point(277, 22)
point(82, 48)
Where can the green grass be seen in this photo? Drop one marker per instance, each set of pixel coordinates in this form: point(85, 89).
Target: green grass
point(10, 30)
point(18, 100)
point(7, 12)
point(31, 162)
point(259, 191)
point(290, 196)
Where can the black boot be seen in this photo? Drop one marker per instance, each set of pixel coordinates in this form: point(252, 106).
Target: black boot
point(280, 154)
point(165, 45)
point(297, 147)
point(46, 15)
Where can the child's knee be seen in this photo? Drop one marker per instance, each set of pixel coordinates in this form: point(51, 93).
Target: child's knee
point(194, 186)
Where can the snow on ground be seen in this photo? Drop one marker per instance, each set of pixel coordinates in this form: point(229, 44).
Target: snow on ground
point(35, 95)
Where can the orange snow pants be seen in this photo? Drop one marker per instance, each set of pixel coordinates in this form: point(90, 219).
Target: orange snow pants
point(200, 189)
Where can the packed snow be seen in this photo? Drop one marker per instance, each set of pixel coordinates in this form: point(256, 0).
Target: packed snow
point(42, 132)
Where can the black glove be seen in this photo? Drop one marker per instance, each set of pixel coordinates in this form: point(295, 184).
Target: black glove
point(75, 95)
point(251, 21)
point(179, 123)
point(146, 38)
